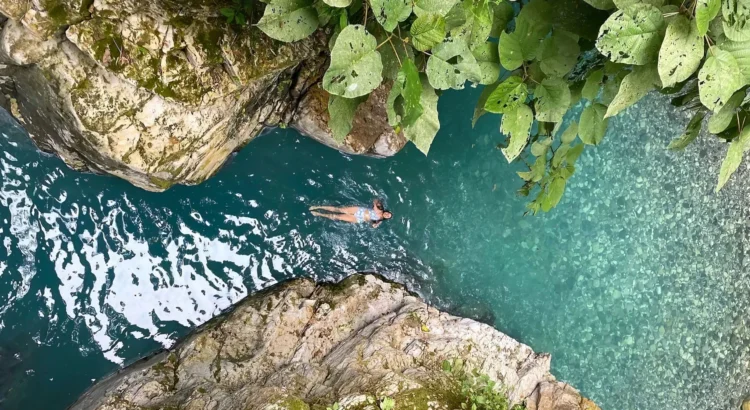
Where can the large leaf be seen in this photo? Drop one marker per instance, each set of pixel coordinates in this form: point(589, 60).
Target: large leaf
point(554, 193)
point(441, 7)
point(621, 4)
point(392, 52)
point(570, 133)
point(507, 96)
point(341, 114)
point(633, 87)
point(289, 20)
point(736, 19)
point(632, 35)
point(552, 100)
point(390, 12)
point(601, 4)
point(691, 132)
point(423, 131)
point(593, 124)
point(338, 3)
point(489, 62)
point(593, 84)
point(479, 110)
point(511, 51)
point(451, 64)
point(502, 14)
point(404, 100)
point(705, 11)
point(356, 68)
point(681, 52)
point(734, 157)
point(427, 31)
point(478, 24)
point(724, 117)
point(719, 78)
point(559, 53)
point(741, 53)
point(516, 124)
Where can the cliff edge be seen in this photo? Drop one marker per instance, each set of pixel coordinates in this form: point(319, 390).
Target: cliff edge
point(364, 343)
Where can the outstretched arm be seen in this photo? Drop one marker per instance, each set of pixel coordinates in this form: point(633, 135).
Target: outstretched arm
point(377, 204)
point(376, 224)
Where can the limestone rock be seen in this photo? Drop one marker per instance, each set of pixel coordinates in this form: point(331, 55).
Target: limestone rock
point(300, 345)
point(159, 92)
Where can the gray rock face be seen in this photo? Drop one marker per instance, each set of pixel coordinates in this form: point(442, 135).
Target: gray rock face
point(159, 92)
point(300, 345)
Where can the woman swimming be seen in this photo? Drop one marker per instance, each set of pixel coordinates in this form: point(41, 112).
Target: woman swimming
point(355, 214)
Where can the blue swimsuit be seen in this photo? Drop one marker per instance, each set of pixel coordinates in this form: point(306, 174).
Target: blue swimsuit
point(365, 215)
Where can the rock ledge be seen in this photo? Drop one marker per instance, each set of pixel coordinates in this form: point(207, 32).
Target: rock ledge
point(300, 345)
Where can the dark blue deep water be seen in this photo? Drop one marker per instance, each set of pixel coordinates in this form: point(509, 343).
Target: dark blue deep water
point(637, 283)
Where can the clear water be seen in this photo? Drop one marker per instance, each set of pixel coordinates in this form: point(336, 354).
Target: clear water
point(637, 284)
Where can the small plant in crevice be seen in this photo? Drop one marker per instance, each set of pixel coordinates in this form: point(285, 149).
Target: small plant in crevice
point(239, 13)
point(477, 391)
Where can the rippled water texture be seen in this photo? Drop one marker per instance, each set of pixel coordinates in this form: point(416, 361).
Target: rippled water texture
point(637, 284)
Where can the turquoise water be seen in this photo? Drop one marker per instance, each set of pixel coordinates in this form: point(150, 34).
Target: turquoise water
point(636, 283)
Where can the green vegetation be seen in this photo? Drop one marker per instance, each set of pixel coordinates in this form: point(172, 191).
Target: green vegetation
point(537, 59)
point(477, 391)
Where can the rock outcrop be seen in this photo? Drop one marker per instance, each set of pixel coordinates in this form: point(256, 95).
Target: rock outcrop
point(300, 346)
point(161, 92)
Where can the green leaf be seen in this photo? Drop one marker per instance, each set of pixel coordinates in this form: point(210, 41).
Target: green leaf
point(507, 96)
point(681, 52)
point(478, 25)
point(593, 124)
point(451, 64)
point(240, 18)
point(227, 12)
point(427, 31)
point(502, 14)
point(736, 19)
point(390, 12)
point(555, 191)
point(559, 53)
point(633, 87)
point(632, 35)
point(412, 93)
point(341, 114)
point(570, 133)
point(741, 53)
point(601, 4)
point(424, 129)
point(573, 154)
point(552, 100)
point(691, 132)
point(719, 78)
point(516, 124)
point(705, 11)
point(338, 3)
point(724, 117)
point(479, 110)
point(734, 158)
point(538, 169)
point(441, 7)
point(560, 155)
point(356, 68)
point(289, 20)
point(593, 85)
point(621, 4)
point(488, 61)
point(510, 51)
point(540, 147)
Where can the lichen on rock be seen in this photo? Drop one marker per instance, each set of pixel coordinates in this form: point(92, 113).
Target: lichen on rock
point(157, 92)
point(302, 346)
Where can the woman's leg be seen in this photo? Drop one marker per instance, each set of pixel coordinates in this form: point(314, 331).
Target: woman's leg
point(327, 208)
point(336, 217)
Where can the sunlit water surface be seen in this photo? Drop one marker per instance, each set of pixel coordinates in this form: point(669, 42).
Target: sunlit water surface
point(637, 284)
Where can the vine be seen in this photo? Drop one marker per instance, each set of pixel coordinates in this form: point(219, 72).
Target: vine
point(536, 61)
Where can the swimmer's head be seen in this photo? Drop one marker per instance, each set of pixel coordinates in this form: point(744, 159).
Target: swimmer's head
point(387, 215)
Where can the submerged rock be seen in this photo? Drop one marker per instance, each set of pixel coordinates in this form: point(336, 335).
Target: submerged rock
point(160, 92)
point(300, 345)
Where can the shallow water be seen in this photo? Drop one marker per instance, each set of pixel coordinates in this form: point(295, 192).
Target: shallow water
point(636, 284)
